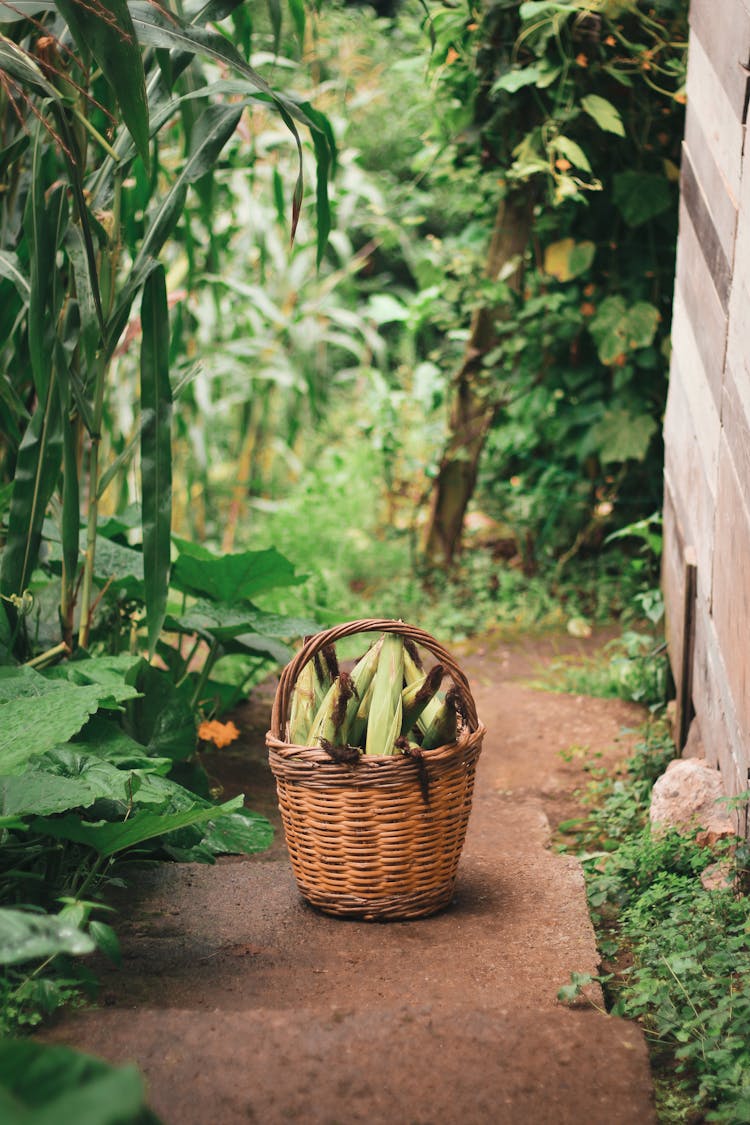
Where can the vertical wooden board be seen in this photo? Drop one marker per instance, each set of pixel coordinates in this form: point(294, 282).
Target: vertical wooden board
point(707, 318)
point(722, 736)
point(731, 583)
point(686, 477)
point(723, 29)
point(722, 127)
point(735, 417)
point(721, 201)
point(702, 220)
point(688, 371)
point(673, 582)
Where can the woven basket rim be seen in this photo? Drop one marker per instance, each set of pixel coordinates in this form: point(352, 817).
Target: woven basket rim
point(316, 756)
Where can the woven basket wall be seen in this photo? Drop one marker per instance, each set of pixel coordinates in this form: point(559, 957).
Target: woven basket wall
point(381, 838)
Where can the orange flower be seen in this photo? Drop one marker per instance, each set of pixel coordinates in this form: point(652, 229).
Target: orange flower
point(562, 164)
point(221, 734)
point(582, 60)
point(610, 41)
point(587, 309)
point(451, 56)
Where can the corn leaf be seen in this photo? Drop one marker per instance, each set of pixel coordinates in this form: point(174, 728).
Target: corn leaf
point(156, 451)
point(107, 32)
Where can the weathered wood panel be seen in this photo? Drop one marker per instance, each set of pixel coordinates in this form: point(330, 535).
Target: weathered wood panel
point(721, 732)
point(722, 203)
point(690, 379)
point(723, 29)
point(707, 236)
point(735, 413)
point(686, 479)
point(707, 318)
point(721, 124)
point(730, 603)
point(678, 579)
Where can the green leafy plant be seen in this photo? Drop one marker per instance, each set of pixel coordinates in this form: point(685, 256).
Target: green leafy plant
point(675, 954)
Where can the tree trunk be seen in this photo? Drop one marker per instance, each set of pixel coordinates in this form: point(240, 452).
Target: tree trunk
point(475, 399)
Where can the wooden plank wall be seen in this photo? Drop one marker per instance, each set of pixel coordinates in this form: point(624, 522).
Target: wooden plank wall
point(707, 420)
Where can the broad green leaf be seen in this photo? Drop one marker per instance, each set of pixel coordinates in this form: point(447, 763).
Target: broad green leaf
point(515, 79)
point(30, 937)
point(239, 833)
point(108, 839)
point(104, 670)
point(52, 1085)
point(573, 152)
point(162, 720)
point(29, 730)
point(108, 33)
point(622, 436)
point(229, 619)
point(617, 329)
point(104, 738)
point(229, 578)
point(604, 113)
point(106, 940)
point(640, 196)
point(567, 258)
point(37, 793)
point(156, 451)
point(22, 682)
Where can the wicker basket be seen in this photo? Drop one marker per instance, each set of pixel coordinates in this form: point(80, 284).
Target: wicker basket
point(379, 839)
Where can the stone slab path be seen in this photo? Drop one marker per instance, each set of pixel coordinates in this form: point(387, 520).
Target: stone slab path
point(242, 1004)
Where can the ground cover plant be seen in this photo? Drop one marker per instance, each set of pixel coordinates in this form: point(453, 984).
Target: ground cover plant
point(675, 954)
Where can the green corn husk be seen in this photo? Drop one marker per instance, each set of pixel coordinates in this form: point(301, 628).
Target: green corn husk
point(326, 667)
point(358, 726)
point(304, 706)
point(384, 720)
point(443, 728)
point(413, 669)
point(330, 720)
point(418, 694)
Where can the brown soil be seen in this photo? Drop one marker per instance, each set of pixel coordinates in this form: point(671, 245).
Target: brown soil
point(242, 1004)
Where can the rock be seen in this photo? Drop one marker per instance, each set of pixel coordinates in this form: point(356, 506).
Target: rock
point(689, 796)
point(719, 876)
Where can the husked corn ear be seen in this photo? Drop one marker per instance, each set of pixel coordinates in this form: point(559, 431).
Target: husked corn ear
point(443, 728)
point(331, 717)
point(384, 720)
point(326, 667)
point(417, 695)
point(358, 725)
point(304, 706)
point(413, 669)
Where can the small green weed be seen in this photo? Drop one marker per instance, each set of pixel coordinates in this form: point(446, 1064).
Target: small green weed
point(675, 955)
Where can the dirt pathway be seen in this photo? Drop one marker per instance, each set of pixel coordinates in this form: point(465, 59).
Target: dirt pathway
point(241, 1004)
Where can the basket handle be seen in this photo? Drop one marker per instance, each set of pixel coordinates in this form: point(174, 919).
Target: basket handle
point(314, 644)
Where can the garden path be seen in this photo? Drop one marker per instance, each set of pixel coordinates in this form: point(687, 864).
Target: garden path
point(241, 1004)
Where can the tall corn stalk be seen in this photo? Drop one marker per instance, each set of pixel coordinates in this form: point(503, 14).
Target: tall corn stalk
point(89, 93)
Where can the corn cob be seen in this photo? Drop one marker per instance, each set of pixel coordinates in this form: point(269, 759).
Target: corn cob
point(326, 667)
point(443, 727)
point(418, 694)
point(304, 706)
point(358, 725)
point(384, 720)
point(331, 717)
point(413, 669)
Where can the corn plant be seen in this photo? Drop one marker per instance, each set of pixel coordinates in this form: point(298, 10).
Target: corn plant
point(110, 114)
